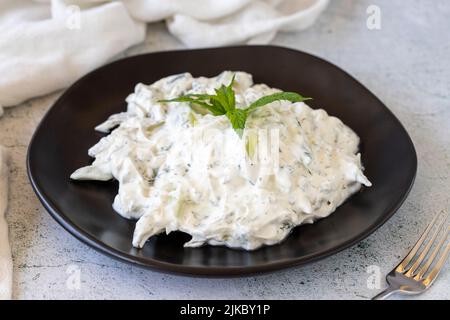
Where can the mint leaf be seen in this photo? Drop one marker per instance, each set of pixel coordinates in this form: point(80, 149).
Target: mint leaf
point(215, 109)
point(222, 98)
point(230, 94)
point(237, 117)
point(289, 96)
point(225, 96)
point(224, 103)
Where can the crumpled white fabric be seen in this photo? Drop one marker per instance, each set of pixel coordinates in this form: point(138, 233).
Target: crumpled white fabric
point(45, 45)
point(5, 252)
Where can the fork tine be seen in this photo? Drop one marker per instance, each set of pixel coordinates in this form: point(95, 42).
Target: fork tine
point(437, 268)
point(433, 255)
point(427, 248)
point(402, 266)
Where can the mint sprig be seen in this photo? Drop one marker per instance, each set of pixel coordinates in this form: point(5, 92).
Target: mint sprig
point(224, 103)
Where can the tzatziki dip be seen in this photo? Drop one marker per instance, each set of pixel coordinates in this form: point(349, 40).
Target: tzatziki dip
point(183, 168)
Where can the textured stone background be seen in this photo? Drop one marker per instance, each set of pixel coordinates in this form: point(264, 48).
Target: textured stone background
point(406, 64)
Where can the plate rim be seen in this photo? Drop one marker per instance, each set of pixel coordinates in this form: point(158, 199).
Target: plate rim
point(210, 271)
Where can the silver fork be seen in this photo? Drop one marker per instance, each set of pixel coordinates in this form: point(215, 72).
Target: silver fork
point(411, 276)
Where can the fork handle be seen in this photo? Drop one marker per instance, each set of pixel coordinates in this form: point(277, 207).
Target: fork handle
point(385, 293)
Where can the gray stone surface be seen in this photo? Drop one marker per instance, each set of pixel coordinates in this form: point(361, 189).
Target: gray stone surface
point(406, 64)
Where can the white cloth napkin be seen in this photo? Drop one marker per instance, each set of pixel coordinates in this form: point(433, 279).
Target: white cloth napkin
point(46, 45)
point(5, 252)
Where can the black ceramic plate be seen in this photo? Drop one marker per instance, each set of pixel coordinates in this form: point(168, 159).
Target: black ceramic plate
point(61, 141)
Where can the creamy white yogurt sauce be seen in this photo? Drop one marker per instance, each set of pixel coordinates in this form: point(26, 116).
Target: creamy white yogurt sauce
point(182, 170)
